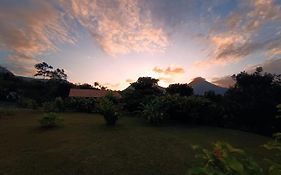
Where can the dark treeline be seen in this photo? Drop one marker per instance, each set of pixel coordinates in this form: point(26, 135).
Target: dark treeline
point(32, 93)
point(249, 105)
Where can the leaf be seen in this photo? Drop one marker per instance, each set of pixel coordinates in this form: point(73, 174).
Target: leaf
point(274, 170)
point(235, 165)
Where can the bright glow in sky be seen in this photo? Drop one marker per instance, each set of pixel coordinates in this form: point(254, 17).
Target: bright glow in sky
point(116, 41)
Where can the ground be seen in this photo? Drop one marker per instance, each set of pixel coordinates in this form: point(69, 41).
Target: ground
point(85, 145)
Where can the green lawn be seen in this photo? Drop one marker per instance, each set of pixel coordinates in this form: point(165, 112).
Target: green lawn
point(84, 145)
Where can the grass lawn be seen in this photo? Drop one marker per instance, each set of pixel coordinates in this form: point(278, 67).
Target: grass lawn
point(85, 145)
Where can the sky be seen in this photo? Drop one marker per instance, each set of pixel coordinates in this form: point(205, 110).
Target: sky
point(114, 42)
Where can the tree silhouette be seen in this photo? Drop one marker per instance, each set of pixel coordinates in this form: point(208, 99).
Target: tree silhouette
point(43, 69)
point(46, 71)
point(58, 74)
point(181, 89)
point(252, 101)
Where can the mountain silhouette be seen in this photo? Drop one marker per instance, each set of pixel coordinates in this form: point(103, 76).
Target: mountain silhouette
point(200, 86)
point(5, 71)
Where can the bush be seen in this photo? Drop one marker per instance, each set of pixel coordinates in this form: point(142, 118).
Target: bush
point(50, 120)
point(275, 167)
point(193, 109)
point(155, 111)
point(27, 103)
point(109, 109)
point(224, 159)
point(81, 104)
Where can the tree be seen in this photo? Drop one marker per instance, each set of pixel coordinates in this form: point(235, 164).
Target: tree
point(97, 85)
point(141, 92)
point(58, 74)
point(46, 71)
point(145, 83)
point(251, 102)
point(43, 69)
point(181, 89)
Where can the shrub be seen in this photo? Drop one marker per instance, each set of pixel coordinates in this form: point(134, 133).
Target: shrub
point(81, 104)
point(27, 103)
point(155, 111)
point(6, 112)
point(50, 120)
point(224, 159)
point(109, 109)
point(193, 109)
point(275, 167)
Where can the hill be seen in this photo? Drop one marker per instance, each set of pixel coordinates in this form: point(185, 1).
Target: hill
point(200, 85)
point(5, 71)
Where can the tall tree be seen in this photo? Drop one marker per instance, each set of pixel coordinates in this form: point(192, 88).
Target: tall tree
point(252, 101)
point(43, 69)
point(141, 92)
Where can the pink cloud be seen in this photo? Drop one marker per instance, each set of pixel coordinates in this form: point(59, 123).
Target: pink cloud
point(169, 70)
point(118, 26)
point(31, 30)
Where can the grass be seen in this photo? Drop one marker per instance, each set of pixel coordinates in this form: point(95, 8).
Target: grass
point(85, 145)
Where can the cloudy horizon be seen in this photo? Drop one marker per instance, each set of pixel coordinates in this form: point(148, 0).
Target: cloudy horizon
point(116, 41)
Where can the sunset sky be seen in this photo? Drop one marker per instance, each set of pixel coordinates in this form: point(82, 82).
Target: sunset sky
point(116, 41)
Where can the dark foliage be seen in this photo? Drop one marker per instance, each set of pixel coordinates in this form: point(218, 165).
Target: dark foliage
point(108, 107)
point(81, 104)
point(46, 71)
point(50, 120)
point(140, 92)
point(181, 89)
point(43, 69)
point(251, 103)
point(155, 111)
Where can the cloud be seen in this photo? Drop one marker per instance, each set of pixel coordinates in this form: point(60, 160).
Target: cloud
point(169, 75)
point(111, 86)
point(274, 51)
point(32, 28)
point(22, 64)
point(29, 30)
point(167, 80)
point(129, 81)
point(118, 26)
point(225, 81)
point(242, 33)
point(169, 70)
point(270, 66)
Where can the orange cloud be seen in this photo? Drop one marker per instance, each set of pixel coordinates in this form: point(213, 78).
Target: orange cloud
point(129, 81)
point(118, 27)
point(238, 41)
point(22, 64)
point(274, 51)
point(30, 30)
point(169, 70)
point(111, 86)
point(167, 80)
